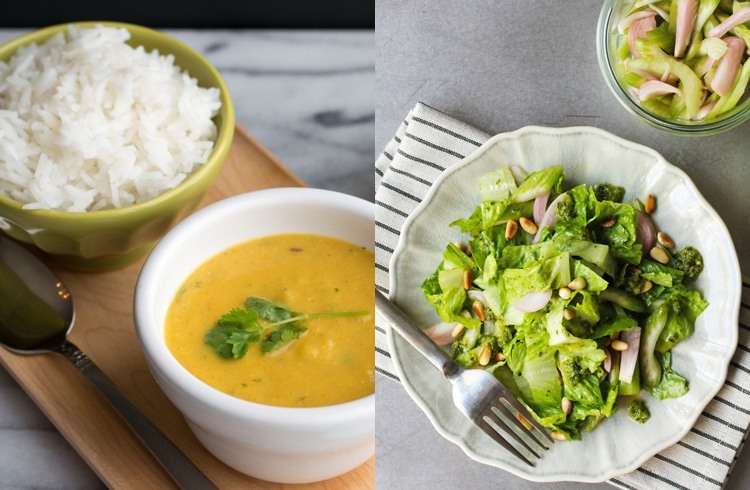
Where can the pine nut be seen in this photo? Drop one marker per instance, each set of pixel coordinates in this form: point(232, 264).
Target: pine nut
point(528, 226)
point(577, 284)
point(558, 436)
point(636, 271)
point(467, 279)
point(565, 293)
point(478, 308)
point(650, 204)
point(460, 327)
point(510, 229)
point(569, 314)
point(665, 240)
point(619, 345)
point(500, 357)
point(566, 405)
point(646, 287)
point(660, 255)
point(523, 421)
point(608, 222)
point(484, 356)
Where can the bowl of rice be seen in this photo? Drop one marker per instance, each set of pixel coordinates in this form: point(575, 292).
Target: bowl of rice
point(110, 134)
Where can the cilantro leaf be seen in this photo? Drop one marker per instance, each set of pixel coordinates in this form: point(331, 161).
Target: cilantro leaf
point(268, 310)
point(240, 342)
point(235, 330)
point(238, 317)
point(281, 337)
point(218, 339)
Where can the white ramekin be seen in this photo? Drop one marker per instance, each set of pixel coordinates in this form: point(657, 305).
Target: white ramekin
point(287, 445)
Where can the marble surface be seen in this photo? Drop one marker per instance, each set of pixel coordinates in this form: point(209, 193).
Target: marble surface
point(501, 66)
point(308, 97)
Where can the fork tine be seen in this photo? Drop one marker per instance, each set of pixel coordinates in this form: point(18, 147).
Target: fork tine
point(509, 398)
point(524, 420)
point(490, 431)
point(515, 429)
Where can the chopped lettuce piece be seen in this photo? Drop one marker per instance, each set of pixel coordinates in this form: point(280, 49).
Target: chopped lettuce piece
point(536, 276)
point(538, 183)
point(544, 386)
point(671, 385)
point(616, 324)
point(498, 185)
point(594, 282)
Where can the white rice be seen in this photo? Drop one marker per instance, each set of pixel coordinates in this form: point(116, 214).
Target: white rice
point(89, 123)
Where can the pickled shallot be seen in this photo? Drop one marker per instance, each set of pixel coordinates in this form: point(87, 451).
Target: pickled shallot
point(685, 60)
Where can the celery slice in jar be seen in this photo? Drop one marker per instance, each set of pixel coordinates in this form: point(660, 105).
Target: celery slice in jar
point(659, 61)
point(729, 102)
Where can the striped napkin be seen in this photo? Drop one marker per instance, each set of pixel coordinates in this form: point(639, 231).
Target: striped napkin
point(428, 142)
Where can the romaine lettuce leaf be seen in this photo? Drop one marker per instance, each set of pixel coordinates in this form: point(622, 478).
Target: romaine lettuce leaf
point(672, 385)
point(515, 256)
point(621, 237)
point(455, 257)
point(542, 275)
point(617, 324)
point(539, 182)
point(595, 253)
point(544, 386)
point(594, 282)
point(556, 325)
point(586, 306)
point(497, 186)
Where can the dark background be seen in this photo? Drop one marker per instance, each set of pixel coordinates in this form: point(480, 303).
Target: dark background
point(343, 14)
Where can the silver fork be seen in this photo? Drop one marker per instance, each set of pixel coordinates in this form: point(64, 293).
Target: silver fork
point(476, 392)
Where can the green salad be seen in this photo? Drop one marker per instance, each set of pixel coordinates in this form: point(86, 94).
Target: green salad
point(572, 298)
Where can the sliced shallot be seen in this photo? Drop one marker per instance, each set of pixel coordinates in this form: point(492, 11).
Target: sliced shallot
point(441, 333)
point(540, 206)
point(645, 232)
point(728, 66)
point(656, 88)
point(740, 17)
point(628, 21)
point(638, 30)
point(533, 301)
point(645, 74)
point(687, 13)
point(518, 173)
point(629, 357)
point(549, 219)
point(703, 112)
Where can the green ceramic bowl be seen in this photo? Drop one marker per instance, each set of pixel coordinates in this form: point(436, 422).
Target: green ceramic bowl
point(110, 239)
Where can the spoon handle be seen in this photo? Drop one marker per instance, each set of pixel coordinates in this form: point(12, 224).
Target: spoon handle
point(182, 470)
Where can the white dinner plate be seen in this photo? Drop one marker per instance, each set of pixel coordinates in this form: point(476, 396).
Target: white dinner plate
point(617, 445)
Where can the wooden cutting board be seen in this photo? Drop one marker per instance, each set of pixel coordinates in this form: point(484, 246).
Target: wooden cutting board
point(105, 331)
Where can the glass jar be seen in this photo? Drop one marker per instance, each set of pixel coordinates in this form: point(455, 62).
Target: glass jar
point(608, 40)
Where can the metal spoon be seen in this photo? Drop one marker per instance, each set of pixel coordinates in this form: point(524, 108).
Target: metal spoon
point(36, 314)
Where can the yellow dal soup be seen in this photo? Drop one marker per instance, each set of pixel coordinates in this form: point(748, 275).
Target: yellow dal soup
point(332, 362)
